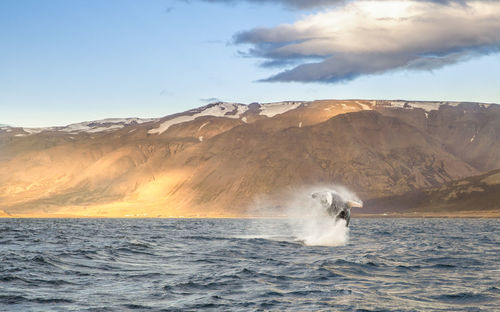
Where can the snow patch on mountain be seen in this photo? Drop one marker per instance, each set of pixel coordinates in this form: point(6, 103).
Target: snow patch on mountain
point(364, 106)
point(104, 125)
point(220, 109)
point(227, 110)
point(273, 109)
point(34, 130)
point(203, 125)
point(473, 137)
point(426, 106)
point(96, 126)
point(101, 129)
point(348, 107)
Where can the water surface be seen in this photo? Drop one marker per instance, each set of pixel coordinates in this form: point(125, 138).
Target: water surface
point(245, 265)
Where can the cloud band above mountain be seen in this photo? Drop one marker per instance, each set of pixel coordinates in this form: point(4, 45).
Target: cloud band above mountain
point(310, 4)
point(373, 37)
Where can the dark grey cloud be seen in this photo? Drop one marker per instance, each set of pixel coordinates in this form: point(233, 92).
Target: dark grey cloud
point(373, 37)
point(210, 100)
point(348, 67)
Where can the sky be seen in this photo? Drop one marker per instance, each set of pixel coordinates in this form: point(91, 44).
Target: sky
point(63, 61)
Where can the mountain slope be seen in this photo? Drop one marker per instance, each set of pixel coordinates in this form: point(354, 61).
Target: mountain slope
point(470, 131)
point(215, 160)
point(371, 154)
point(476, 195)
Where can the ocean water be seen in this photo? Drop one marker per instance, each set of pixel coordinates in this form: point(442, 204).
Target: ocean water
point(248, 265)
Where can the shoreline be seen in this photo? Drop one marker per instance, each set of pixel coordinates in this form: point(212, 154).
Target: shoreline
point(485, 214)
point(396, 215)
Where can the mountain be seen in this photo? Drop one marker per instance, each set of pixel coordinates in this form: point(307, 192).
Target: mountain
point(473, 196)
point(217, 160)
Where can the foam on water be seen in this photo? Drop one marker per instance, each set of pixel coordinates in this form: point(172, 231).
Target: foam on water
point(310, 222)
point(322, 232)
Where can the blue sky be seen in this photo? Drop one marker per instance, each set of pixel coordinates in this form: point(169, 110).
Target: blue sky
point(68, 61)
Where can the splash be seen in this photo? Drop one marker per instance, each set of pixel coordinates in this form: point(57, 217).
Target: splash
point(320, 231)
point(310, 222)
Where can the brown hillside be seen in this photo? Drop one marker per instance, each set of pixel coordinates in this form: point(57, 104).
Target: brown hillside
point(218, 165)
point(472, 194)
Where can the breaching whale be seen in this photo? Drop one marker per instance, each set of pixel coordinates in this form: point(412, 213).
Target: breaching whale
point(335, 206)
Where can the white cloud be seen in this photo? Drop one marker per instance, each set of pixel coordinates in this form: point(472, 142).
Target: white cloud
point(369, 37)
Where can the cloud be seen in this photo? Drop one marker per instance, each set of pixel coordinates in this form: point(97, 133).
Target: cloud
point(210, 100)
point(308, 4)
point(373, 37)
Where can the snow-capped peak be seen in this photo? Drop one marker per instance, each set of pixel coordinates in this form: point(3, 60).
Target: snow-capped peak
point(427, 106)
point(104, 124)
point(273, 109)
point(227, 110)
point(218, 109)
point(92, 126)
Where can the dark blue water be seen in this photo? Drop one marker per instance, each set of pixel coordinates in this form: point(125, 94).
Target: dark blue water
point(245, 265)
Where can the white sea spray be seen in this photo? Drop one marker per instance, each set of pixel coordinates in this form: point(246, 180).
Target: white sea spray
point(308, 221)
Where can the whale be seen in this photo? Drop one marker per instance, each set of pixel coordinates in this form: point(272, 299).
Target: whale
point(335, 206)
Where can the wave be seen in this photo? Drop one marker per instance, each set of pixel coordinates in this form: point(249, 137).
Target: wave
point(242, 265)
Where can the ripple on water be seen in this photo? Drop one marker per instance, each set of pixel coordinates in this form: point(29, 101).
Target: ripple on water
point(246, 265)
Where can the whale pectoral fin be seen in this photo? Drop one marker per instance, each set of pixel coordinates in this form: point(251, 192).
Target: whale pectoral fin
point(353, 204)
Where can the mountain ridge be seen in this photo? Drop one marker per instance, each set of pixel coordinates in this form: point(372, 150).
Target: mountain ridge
point(216, 164)
point(79, 126)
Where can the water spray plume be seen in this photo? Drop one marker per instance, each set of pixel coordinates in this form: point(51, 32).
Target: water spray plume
point(309, 221)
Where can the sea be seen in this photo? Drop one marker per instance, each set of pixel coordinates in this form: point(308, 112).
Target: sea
point(249, 265)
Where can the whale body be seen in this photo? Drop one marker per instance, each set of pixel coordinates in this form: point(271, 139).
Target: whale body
point(335, 206)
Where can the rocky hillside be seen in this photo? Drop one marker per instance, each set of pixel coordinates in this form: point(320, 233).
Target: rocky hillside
point(477, 195)
point(217, 159)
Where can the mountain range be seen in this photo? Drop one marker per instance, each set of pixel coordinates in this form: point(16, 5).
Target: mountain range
point(221, 160)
